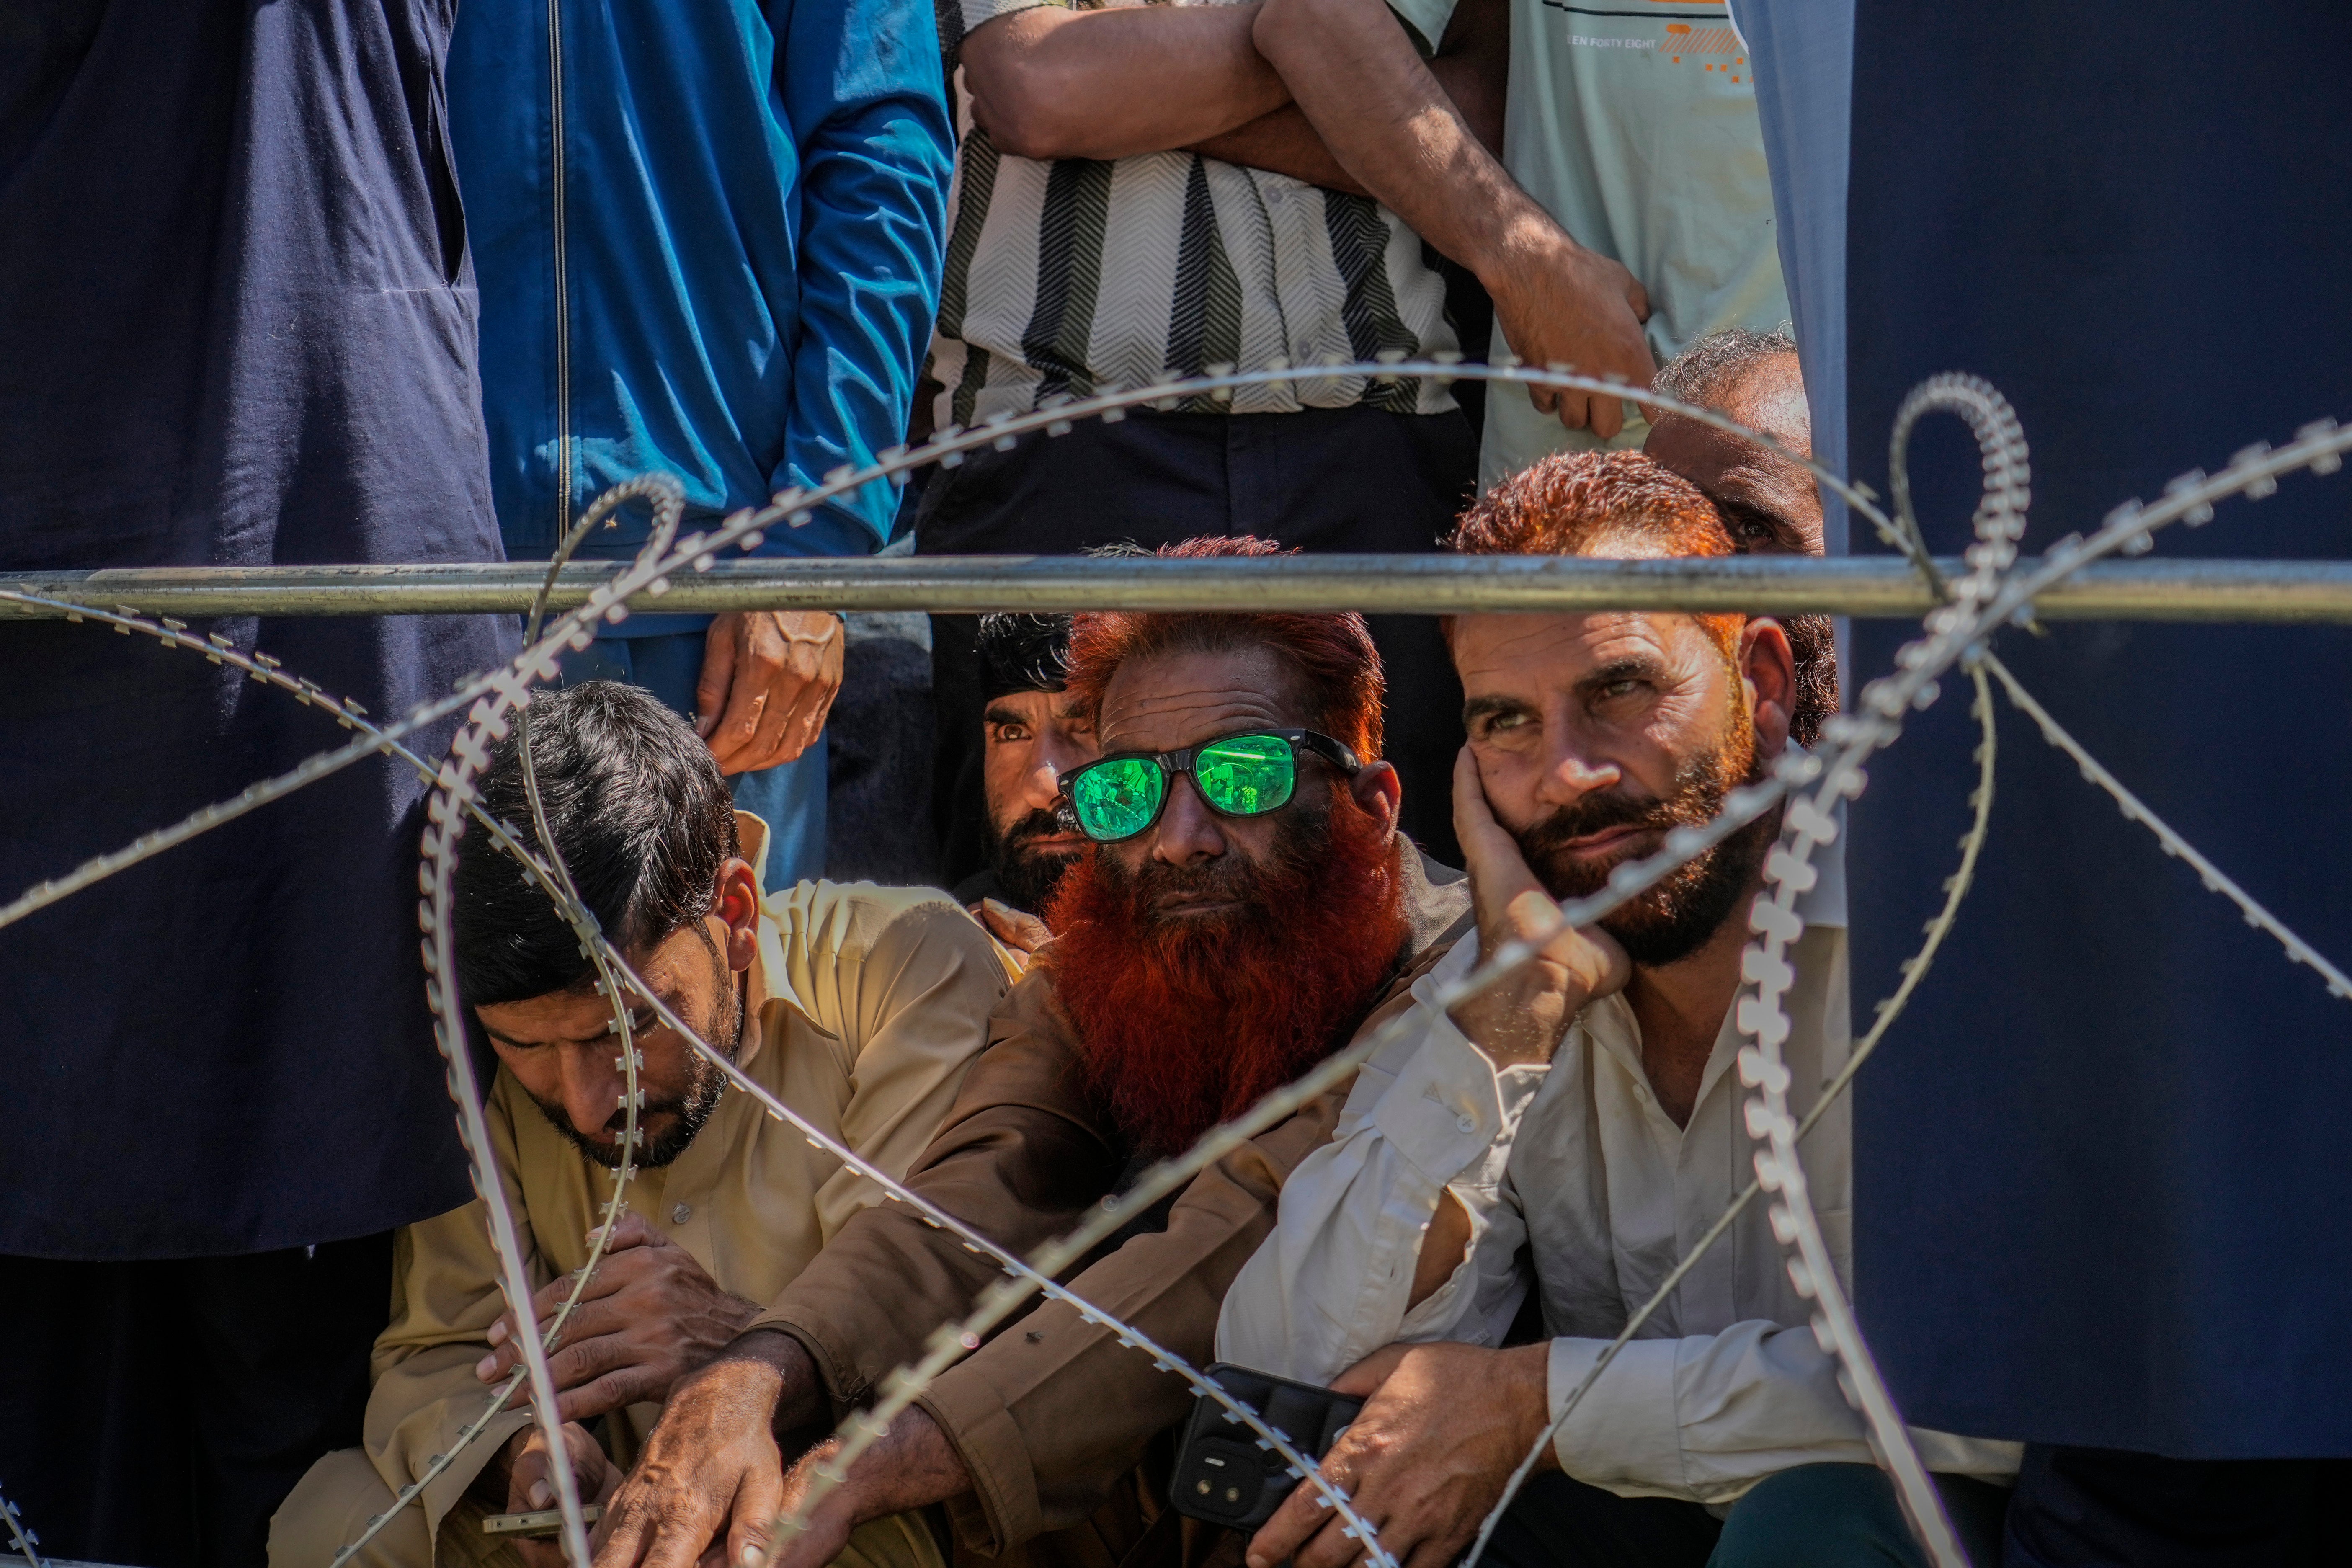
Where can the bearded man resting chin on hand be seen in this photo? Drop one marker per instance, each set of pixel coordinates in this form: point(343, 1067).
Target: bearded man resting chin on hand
point(1245, 906)
point(1583, 1116)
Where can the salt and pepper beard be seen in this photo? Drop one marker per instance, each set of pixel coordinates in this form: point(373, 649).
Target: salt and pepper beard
point(1674, 918)
point(706, 1083)
point(1187, 1021)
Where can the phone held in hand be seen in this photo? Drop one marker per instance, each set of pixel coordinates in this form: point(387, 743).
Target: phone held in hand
point(543, 1525)
point(1225, 1474)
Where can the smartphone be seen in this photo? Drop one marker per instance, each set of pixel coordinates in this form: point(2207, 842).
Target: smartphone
point(547, 1522)
point(1226, 1474)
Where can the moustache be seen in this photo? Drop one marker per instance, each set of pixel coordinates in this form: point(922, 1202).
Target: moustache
point(1598, 814)
point(1036, 825)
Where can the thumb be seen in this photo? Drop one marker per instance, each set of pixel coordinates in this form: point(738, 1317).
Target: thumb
point(718, 674)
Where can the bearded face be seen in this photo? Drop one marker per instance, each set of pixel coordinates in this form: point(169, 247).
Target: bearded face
point(1197, 988)
point(1674, 918)
point(1029, 857)
point(676, 1110)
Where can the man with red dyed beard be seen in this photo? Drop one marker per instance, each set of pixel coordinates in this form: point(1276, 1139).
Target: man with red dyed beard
point(1245, 906)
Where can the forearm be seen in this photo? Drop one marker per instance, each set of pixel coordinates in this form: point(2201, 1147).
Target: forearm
point(1399, 127)
point(1282, 142)
point(1286, 142)
point(1054, 83)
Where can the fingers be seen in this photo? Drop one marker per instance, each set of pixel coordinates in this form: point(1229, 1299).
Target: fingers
point(1294, 1524)
point(1363, 1379)
point(1016, 929)
point(1498, 872)
point(758, 1503)
point(787, 668)
point(1606, 415)
point(757, 655)
point(636, 1384)
point(717, 677)
point(631, 1230)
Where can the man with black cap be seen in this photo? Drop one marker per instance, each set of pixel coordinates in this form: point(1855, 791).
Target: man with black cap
point(1032, 731)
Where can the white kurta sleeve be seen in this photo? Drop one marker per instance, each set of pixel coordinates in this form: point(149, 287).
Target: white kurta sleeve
point(1329, 1285)
point(1706, 1418)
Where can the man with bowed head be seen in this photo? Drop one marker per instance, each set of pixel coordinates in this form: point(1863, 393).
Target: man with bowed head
point(1245, 906)
point(859, 1006)
point(1574, 1129)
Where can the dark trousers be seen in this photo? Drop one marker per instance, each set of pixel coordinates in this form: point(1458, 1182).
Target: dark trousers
point(157, 1412)
point(2080, 1507)
point(1815, 1516)
point(1326, 479)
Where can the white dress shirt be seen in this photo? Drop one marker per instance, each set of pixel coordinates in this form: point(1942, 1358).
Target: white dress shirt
point(1577, 1163)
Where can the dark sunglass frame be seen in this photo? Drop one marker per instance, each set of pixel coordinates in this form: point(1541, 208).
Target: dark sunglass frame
point(1172, 763)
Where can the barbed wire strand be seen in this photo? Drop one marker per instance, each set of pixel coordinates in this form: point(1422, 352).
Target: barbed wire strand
point(555, 877)
point(26, 1542)
point(469, 754)
point(2254, 471)
point(2314, 446)
point(2215, 879)
point(268, 671)
point(1912, 971)
point(973, 1241)
point(745, 530)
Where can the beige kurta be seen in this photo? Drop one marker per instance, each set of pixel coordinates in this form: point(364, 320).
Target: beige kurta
point(864, 1006)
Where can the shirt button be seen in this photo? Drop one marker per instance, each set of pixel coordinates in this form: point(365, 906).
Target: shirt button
point(681, 1214)
point(1468, 1123)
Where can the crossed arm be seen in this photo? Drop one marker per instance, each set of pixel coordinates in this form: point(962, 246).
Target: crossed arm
point(1332, 92)
point(1050, 82)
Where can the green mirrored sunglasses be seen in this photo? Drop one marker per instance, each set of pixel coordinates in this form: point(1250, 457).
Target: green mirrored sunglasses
point(1248, 774)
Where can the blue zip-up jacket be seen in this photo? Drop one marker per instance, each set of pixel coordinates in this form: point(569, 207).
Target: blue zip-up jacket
point(746, 251)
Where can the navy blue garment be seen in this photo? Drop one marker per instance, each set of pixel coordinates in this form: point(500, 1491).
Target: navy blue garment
point(236, 327)
point(2101, 1161)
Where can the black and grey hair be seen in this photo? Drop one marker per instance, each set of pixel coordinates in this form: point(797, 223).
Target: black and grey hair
point(640, 815)
point(1704, 372)
point(1022, 653)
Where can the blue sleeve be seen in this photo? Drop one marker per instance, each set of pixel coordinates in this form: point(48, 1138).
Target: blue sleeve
point(863, 91)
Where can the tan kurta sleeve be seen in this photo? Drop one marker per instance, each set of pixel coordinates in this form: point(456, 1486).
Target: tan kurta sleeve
point(445, 1296)
point(906, 981)
point(1016, 1158)
point(1050, 1413)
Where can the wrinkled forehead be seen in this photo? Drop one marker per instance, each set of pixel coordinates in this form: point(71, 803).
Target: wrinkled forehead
point(1166, 701)
point(1524, 656)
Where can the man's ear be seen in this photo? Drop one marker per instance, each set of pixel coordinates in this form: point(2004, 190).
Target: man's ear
point(1769, 670)
point(738, 907)
point(1379, 792)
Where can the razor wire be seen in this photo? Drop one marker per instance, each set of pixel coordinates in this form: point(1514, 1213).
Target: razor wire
point(1997, 596)
point(26, 1542)
point(266, 671)
point(1914, 970)
point(614, 970)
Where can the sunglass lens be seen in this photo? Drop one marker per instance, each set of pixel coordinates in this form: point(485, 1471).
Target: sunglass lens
point(1248, 774)
point(1119, 798)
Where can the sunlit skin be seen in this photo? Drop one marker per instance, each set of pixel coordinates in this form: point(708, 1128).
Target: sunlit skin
point(1557, 708)
point(1169, 703)
point(651, 1314)
point(711, 1471)
point(1771, 503)
point(1029, 741)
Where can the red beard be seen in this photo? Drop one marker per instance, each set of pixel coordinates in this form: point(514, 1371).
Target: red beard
point(1188, 1022)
